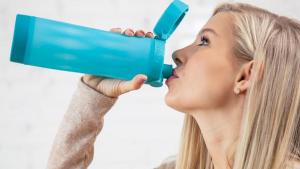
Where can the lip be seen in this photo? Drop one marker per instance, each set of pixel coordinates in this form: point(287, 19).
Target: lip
point(175, 73)
point(174, 76)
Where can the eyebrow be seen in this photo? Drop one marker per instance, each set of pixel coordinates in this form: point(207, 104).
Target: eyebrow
point(208, 30)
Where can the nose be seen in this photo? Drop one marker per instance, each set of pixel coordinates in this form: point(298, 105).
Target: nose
point(179, 57)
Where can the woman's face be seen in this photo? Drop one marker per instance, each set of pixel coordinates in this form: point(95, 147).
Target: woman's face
point(206, 69)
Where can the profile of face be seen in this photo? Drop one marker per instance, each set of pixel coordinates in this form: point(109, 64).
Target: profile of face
point(207, 69)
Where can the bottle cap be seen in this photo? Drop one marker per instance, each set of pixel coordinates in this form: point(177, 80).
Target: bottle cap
point(170, 19)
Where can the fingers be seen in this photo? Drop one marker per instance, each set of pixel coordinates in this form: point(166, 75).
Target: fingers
point(110, 87)
point(140, 33)
point(118, 30)
point(128, 32)
point(92, 80)
point(131, 32)
point(134, 84)
point(149, 35)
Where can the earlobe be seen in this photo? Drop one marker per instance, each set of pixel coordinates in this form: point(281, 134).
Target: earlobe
point(243, 78)
point(241, 86)
point(244, 85)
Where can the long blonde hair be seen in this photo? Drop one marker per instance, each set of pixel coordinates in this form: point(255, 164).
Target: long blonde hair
point(270, 131)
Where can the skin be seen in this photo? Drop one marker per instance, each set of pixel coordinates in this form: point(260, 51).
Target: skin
point(211, 86)
point(207, 88)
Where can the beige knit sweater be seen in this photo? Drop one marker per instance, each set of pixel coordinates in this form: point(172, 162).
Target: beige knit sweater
point(73, 147)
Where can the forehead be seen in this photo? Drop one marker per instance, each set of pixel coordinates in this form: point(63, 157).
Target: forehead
point(222, 23)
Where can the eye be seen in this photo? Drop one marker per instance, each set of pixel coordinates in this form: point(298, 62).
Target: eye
point(204, 41)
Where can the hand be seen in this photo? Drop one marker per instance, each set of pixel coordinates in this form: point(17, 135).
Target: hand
point(115, 87)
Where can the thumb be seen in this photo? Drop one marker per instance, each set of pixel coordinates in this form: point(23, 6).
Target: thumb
point(133, 84)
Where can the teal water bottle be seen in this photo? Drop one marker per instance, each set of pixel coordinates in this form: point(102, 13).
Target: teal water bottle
point(63, 46)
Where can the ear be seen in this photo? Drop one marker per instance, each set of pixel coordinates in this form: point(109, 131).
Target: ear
point(242, 79)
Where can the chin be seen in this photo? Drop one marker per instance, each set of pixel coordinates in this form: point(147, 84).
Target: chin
point(174, 103)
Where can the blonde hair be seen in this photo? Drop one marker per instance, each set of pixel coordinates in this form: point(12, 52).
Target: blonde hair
point(270, 131)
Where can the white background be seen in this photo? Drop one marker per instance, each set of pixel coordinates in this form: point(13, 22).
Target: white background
point(139, 131)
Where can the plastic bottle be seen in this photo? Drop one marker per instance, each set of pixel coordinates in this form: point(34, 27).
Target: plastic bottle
point(63, 46)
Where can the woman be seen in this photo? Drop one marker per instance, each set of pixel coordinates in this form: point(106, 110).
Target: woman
point(238, 84)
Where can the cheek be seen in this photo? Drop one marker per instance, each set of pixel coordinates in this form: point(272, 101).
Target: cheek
point(205, 84)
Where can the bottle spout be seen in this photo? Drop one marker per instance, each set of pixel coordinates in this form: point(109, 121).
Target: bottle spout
point(167, 71)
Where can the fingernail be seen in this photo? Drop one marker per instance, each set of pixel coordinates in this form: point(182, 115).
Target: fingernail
point(149, 34)
point(130, 33)
point(142, 32)
point(145, 77)
point(143, 80)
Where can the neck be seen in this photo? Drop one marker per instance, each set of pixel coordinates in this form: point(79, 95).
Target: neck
point(220, 130)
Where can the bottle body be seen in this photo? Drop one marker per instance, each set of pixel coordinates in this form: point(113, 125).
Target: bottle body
point(63, 46)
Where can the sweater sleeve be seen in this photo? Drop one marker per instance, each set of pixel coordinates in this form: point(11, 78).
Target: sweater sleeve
point(73, 146)
point(168, 163)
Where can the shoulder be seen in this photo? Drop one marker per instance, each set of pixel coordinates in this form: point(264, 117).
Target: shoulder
point(294, 164)
point(168, 163)
point(297, 165)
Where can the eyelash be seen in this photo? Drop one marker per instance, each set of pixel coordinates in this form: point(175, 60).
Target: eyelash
point(204, 38)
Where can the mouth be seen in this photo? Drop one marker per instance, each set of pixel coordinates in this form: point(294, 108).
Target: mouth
point(174, 76)
point(175, 73)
